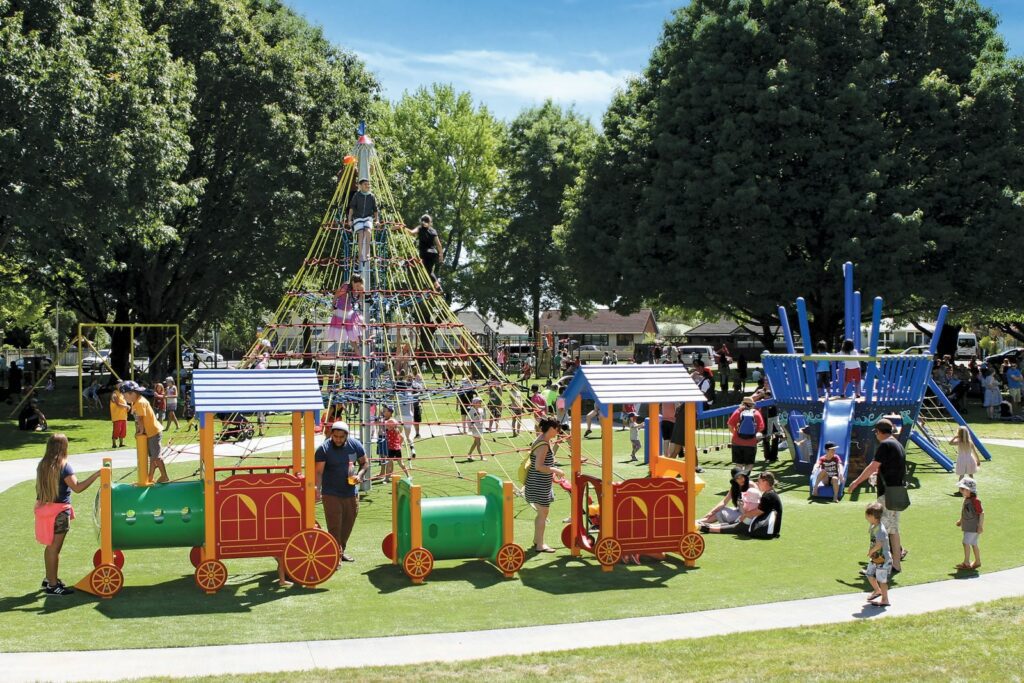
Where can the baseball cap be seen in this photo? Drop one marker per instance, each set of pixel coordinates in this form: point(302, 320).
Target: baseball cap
point(969, 484)
point(364, 180)
point(129, 386)
point(343, 426)
point(830, 444)
point(884, 426)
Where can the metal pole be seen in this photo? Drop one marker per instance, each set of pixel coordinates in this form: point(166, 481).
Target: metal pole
point(131, 352)
point(848, 300)
point(79, 340)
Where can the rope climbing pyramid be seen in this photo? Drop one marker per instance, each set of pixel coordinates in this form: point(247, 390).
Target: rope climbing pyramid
point(365, 311)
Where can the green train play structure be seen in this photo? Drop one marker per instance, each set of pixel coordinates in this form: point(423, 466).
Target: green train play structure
point(451, 528)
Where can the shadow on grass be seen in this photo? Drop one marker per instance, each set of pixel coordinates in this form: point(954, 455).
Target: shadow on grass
point(561, 576)
point(389, 578)
point(177, 597)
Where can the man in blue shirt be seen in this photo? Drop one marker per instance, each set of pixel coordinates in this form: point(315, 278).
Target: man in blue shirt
point(1014, 381)
point(341, 465)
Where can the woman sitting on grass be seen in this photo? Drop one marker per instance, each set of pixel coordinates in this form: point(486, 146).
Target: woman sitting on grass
point(728, 510)
point(55, 480)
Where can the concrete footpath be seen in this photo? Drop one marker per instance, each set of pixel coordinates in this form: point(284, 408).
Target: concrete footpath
point(414, 649)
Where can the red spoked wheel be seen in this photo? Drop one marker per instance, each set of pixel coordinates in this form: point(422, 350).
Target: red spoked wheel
point(387, 546)
point(511, 558)
point(608, 551)
point(418, 564)
point(106, 580)
point(195, 556)
point(211, 576)
point(691, 546)
point(311, 557)
point(97, 559)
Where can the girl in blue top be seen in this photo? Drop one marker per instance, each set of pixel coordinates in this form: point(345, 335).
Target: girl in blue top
point(824, 371)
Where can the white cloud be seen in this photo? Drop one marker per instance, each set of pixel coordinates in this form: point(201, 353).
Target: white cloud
point(494, 77)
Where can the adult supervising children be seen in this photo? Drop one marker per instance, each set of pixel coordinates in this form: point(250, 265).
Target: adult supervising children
point(55, 480)
point(341, 465)
point(146, 425)
point(890, 463)
point(539, 490)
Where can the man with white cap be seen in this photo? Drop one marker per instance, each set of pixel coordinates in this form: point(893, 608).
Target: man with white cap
point(341, 465)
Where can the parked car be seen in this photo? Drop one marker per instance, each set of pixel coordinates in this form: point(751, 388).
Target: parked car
point(688, 354)
point(916, 351)
point(205, 356)
point(589, 353)
point(96, 362)
point(1014, 354)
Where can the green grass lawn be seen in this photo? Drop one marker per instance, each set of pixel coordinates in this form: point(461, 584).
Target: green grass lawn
point(818, 555)
point(978, 643)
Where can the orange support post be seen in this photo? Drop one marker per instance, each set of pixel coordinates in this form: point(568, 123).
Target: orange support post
point(142, 460)
point(209, 483)
point(297, 444)
point(106, 519)
point(507, 519)
point(394, 517)
point(415, 517)
point(690, 471)
point(576, 443)
point(607, 477)
point(654, 415)
point(309, 508)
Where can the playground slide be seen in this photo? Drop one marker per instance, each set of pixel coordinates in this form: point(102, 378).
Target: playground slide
point(836, 426)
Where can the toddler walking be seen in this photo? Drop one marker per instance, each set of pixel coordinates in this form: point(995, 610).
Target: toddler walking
point(971, 522)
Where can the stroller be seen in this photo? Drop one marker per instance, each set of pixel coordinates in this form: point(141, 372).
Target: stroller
point(236, 428)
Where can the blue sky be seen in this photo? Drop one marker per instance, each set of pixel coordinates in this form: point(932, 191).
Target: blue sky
point(511, 54)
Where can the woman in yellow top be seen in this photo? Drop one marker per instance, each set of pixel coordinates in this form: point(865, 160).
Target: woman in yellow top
point(146, 425)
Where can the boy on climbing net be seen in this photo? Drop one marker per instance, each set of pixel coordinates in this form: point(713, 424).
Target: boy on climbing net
point(362, 215)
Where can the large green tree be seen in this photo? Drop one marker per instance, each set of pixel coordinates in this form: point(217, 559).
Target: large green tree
point(446, 163)
point(195, 145)
point(781, 138)
point(521, 267)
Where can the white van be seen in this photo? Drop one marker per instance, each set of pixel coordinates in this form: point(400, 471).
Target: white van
point(688, 354)
point(966, 345)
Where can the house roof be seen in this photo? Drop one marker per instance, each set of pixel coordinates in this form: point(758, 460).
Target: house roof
point(504, 328)
point(601, 321)
point(474, 322)
point(246, 391)
point(610, 384)
point(720, 328)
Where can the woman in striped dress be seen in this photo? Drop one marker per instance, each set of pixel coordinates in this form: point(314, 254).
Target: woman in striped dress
point(539, 491)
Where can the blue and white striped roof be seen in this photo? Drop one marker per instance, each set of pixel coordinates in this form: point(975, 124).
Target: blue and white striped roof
point(618, 384)
point(249, 391)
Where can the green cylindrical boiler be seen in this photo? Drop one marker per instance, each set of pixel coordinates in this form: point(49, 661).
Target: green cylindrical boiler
point(460, 527)
point(158, 516)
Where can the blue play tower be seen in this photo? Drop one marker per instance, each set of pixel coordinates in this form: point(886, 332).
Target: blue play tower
point(893, 387)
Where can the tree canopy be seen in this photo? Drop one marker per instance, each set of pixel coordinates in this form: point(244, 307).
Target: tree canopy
point(769, 141)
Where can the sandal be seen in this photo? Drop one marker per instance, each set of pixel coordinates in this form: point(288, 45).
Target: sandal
point(545, 549)
point(874, 596)
point(878, 604)
point(976, 565)
point(964, 565)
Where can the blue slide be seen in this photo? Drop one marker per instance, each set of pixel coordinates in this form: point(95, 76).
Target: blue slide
point(836, 426)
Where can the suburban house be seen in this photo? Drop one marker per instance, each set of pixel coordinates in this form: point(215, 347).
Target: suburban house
point(603, 328)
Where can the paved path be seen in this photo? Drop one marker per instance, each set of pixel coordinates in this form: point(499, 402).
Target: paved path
point(333, 654)
point(1015, 443)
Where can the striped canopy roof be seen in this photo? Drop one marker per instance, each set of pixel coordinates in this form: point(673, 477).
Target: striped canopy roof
point(618, 384)
point(249, 391)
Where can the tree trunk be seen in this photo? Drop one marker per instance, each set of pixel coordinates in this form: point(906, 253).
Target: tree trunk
point(120, 341)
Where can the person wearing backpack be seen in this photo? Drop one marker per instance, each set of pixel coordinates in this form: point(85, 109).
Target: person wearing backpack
point(746, 425)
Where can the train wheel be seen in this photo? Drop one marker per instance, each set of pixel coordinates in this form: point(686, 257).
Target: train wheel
point(691, 546)
point(417, 564)
point(511, 558)
point(608, 551)
point(211, 575)
point(311, 557)
point(106, 580)
point(195, 556)
point(586, 540)
point(388, 546)
point(97, 559)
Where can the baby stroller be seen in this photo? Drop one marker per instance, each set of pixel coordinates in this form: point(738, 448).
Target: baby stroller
point(236, 427)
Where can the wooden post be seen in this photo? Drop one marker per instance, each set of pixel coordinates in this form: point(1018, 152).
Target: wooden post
point(690, 471)
point(209, 482)
point(394, 517)
point(607, 475)
point(654, 433)
point(415, 517)
point(576, 444)
point(142, 460)
point(297, 445)
point(507, 519)
point(309, 508)
point(106, 514)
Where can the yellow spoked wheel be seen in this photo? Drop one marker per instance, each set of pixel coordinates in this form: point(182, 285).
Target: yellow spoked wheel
point(608, 551)
point(211, 575)
point(691, 546)
point(106, 580)
point(418, 564)
point(311, 557)
point(511, 558)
